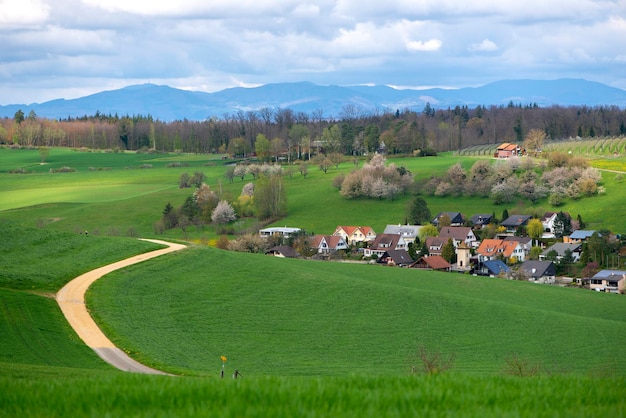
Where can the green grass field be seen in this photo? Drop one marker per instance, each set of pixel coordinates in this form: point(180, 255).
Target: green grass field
point(310, 338)
point(127, 201)
point(291, 317)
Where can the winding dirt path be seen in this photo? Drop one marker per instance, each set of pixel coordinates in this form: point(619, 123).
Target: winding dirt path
point(71, 299)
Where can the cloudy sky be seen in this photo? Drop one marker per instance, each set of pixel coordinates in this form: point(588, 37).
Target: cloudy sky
point(70, 48)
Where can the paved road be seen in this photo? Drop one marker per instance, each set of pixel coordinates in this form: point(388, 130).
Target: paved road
point(71, 299)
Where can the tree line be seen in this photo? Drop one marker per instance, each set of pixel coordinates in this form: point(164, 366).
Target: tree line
point(284, 133)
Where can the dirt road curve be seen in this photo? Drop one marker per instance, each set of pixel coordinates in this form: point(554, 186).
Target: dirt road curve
point(71, 299)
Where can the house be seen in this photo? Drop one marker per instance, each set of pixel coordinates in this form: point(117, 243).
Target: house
point(283, 251)
point(513, 222)
point(328, 244)
point(548, 223)
point(355, 234)
point(398, 258)
point(579, 236)
point(492, 268)
point(459, 234)
point(384, 242)
point(456, 219)
point(435, 245)
point(481, 220)
point(612, 281)
point(539, 271)
point(431, 262)
point(526, 244)
point(408, 232)
point(507, 150)
point(284, 232)
point(493, 249)
point(560, 248)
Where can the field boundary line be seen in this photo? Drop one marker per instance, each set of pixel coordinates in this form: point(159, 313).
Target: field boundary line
point(71, 300)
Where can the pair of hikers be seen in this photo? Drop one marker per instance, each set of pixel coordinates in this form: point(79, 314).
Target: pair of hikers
point(235, 375)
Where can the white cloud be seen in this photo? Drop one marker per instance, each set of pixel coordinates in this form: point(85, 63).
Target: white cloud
point(78, 45)
point(430, 45)
point(22, 13)
point(485, 46)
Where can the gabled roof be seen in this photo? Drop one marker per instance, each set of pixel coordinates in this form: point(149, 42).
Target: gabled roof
point(548, 215)
point(514, 221)
point(561, 247)
point(521, 240)
point(408, 231)
point(350, 230)
point(507, 147)
point(399, 257)
point(455, 217)
point(435, 242)
point(385, 241)
point(285, 250)
point(435, 262)
point(458, 233)
point(495, 247)
point(332, 241)
point(481, 219)
point(495, 267)
point(539, 268)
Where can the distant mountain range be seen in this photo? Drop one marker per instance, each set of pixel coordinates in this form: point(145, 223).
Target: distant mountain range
point(167, 103)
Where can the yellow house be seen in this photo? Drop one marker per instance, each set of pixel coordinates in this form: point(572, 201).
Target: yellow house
point(355, 234)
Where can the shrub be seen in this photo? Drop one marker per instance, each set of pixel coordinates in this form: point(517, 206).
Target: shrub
point(63, 170)
point(515, 366)
point(431, 362)
point(338, 181)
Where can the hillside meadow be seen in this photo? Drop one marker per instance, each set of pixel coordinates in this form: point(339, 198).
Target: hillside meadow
point(310, 338)
point(274, 316)
point(125, 194)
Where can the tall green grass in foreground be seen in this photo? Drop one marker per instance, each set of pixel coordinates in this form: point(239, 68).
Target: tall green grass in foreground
point(355, 396)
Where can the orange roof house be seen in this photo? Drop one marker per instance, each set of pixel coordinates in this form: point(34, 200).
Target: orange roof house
point(491, 249)
point(507, 150)
point(355, 234)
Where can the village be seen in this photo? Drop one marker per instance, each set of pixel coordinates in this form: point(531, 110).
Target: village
point(511, 254)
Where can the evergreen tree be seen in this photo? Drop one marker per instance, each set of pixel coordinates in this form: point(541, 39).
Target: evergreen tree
point(505, 214)
point(412, 250)
point(419, 214)
point(447, 252)
point(562, 225)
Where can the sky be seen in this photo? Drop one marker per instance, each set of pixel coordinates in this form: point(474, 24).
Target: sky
point(53, 49)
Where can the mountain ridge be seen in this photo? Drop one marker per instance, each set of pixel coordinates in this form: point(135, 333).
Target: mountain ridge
point(168, 103)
